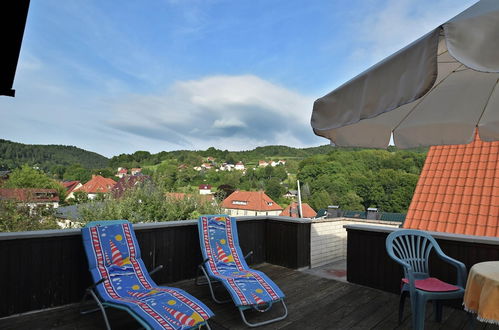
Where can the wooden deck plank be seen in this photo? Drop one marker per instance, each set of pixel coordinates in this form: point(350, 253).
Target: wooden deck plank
point(313, 303)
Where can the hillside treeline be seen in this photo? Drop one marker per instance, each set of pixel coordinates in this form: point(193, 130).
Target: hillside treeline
point(353, 179)
point(47, 157)
point(357, 180)
point(194, 158)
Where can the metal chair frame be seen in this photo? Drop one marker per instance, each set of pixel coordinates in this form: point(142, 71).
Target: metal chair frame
point(241, 309)
point(102, 305)
point(411, 249)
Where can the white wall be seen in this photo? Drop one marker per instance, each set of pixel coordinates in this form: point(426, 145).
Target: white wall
point(238, 212)
point(328, 238)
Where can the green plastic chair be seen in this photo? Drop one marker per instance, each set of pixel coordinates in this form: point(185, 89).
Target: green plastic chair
point(411, 249)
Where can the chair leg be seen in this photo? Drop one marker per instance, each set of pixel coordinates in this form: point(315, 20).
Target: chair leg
point(196, 280)
point(100, 307)
point(403, 295)
point(282, 317)
point(437, 310)
point(212, 291)
point(420, 313)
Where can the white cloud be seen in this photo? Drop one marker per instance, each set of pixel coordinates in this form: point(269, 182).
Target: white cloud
point(399, 23)
point(237, 112)
point(228, 122)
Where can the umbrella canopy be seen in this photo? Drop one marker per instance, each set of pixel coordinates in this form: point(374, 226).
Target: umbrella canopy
point(435, 91)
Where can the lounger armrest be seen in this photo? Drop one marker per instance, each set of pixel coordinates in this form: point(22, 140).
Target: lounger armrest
point(204, 261)
point(97, 283)
point(248, 255)
point(157, 269)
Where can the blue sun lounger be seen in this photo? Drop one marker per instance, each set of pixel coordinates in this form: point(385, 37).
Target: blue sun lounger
point(224, 262)
point(122, 281)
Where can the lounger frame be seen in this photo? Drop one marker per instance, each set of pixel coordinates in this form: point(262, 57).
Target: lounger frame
point(211, 281)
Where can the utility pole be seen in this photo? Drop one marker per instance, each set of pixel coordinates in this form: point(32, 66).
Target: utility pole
point(300, 211)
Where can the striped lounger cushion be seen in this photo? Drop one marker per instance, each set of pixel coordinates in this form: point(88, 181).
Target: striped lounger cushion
point(219, 243)
point(113, 253)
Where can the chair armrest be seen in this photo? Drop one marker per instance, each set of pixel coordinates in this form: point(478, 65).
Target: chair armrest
point(204, 261)
point(248, 255)
point(156, 269)
point(93, 286)
point(460, 267)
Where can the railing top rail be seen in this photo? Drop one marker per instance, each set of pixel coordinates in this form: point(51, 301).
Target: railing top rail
point(440, 235)
point(137, 227)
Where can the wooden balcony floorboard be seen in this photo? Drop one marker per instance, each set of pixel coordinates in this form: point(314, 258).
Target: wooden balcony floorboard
point(313, 303)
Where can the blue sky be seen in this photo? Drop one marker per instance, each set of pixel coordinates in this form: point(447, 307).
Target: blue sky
point(120, 76)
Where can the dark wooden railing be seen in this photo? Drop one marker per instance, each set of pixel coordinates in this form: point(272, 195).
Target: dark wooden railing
point(368, 263)
point(48, 268)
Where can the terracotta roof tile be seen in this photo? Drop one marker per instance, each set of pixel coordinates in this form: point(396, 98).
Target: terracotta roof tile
point(127, 183)
point(70, 185)
point(250, 200)
point(431, 226)
point(98, 184)
point(458, 190)
point(480, 230)
point(34, 195)
point(292, 211)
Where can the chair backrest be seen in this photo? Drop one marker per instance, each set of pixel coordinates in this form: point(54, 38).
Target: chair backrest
point(113, 252)
point(220, 244)
point(411, 247)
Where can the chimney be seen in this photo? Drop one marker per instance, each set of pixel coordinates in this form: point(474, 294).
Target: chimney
point(372, 213)
point(333, 211)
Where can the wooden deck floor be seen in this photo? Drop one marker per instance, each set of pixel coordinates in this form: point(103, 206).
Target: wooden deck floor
point(313, 303)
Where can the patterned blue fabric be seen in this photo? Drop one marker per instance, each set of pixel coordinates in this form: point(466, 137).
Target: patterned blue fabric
point(113, 253)
point(220, 244)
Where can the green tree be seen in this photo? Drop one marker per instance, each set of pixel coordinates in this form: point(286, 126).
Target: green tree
point(28, 177)
point(348, 201)
point(105, 172)
point(20, 217)
point(223, 191)
point(166, 175)
point(274, 189)
point(320, 200)
point(147, 203)
point(80, 197)
point(77, 172)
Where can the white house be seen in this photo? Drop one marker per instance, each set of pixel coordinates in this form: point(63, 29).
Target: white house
point(226, 167)
point(262, 163)
point(206, 166)
point(204, 189)
point(250, 203)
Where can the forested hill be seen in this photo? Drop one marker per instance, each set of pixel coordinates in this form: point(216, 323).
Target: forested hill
point(46, 157)
point(191, 157)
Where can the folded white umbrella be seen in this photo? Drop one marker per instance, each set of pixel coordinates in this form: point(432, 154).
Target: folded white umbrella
point(435, 91)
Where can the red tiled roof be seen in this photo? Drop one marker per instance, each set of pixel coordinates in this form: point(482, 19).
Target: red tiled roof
point(70, 185)
point(204, 186)
point(29, 194)
point(98, 184)
point(292, 211)
point(250, 200)
point(127, 182)
point(458, 190)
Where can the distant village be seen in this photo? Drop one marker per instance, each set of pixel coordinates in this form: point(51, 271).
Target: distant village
point(238, 203)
